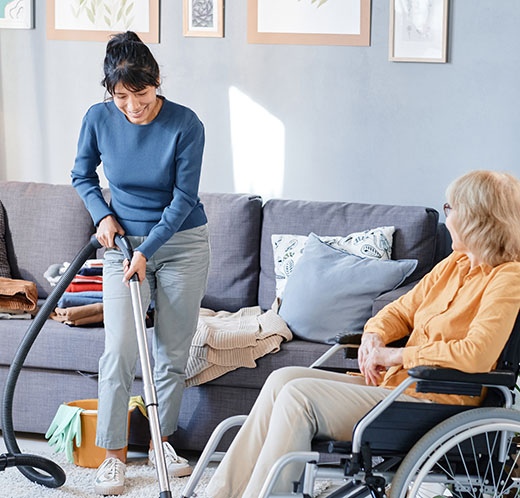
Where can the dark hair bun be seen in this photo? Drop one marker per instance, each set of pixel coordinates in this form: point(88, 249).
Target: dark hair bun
point(122, 38)
point(129, 61)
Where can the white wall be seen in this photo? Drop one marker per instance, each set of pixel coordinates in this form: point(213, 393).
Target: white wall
point(324, 123)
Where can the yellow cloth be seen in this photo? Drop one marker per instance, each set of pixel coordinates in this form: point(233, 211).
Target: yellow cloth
point(457, 317)
point(139, 402)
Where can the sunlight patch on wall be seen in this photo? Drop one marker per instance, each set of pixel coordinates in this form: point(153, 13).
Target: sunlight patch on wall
point(258, 146)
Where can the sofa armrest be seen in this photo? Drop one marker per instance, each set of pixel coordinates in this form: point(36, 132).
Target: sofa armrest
point(386, 298)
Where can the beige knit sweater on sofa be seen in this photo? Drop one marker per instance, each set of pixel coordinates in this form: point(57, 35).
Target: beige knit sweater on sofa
point(225, 341)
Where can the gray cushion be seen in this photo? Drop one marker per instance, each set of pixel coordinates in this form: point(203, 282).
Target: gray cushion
point(414, 237)
point(5, 271)
point(330, 291)
point(234, 228)
point(45, 224)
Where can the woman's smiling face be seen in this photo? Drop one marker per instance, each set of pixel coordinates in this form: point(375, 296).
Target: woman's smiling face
point(138, 107)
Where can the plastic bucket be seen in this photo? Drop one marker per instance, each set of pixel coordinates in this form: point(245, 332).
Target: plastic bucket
point(88, 454)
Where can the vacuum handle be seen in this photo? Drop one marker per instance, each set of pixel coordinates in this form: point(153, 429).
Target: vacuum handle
point(124, 244)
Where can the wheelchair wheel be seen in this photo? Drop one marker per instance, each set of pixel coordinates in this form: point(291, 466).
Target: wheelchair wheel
point(464, 457)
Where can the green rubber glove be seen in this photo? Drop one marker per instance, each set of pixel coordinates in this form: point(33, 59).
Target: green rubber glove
point(65, 426)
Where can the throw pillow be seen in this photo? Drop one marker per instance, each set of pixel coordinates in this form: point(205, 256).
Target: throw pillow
point(5, 270)
point(331, 291)
point(287, 249)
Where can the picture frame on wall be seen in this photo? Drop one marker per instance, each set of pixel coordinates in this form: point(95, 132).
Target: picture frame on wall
point(203, 18)
point(418, 30)
point(16, 14)
point(92, 20)
point(309, 22)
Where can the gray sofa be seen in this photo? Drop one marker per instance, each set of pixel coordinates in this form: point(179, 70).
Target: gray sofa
point(48, 224)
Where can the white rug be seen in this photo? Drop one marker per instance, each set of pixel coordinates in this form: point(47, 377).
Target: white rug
point(141, 482)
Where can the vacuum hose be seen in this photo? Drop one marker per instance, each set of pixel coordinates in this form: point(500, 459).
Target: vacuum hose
point(28, 463)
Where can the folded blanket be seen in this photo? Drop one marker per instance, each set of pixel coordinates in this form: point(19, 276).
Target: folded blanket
point(91, 271)
point(88, 279)
point(78, 312)
point(17, 294)
point(83, 287)
point(93, 263)
point(225, 341)
point(69, 299)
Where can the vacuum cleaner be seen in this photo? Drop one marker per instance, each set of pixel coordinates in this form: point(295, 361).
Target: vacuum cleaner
point(27, 464)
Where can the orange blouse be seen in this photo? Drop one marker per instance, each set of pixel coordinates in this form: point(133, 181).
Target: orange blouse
point(457, 317)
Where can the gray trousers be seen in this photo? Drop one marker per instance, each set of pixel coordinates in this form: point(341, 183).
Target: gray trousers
point(176, 277)
point(295, 405)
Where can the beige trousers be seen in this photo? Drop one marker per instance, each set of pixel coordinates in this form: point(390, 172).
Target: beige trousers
point(295, 405)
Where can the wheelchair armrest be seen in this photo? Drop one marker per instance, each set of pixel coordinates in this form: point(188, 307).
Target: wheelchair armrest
point(348, 338)
point(496, 377)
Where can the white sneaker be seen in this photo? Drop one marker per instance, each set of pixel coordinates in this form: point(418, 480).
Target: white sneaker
point(110, 477)
point(177, 466)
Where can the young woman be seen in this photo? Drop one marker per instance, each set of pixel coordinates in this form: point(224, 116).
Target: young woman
point(458, 316)
point(151, 150)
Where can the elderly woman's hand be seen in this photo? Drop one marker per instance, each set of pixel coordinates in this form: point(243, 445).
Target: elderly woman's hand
point(374, 358)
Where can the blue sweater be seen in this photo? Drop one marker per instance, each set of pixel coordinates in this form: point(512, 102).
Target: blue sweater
point(153, 171)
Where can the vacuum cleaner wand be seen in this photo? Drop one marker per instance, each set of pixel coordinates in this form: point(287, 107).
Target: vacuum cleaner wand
point(150, 395)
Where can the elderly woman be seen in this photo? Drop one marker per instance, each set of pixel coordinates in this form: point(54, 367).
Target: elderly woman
point(458, 316)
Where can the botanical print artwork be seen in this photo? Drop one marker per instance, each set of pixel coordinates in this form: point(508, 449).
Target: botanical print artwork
point(10, 9)
point(418, 30)
point(102, 15)
point(417, 19)
point(105, 12)
point(202, 14)
point(16, 14)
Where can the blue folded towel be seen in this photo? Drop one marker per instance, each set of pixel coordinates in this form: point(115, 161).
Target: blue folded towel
point(80, 298)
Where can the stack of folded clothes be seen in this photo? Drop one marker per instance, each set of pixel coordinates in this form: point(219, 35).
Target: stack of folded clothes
point(82, 302)
point(18, 298)
point(87, 286)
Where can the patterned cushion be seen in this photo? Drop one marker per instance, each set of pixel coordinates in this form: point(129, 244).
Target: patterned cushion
point(5, 270)
point(375, 243)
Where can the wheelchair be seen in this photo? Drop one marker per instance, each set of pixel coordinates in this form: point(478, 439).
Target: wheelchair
point(406, 449)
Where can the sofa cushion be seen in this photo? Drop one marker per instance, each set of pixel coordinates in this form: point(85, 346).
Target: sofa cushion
point(288, 249)
point(5, 270)
point(45, 224)
point(414, 236)
point(234, 227)
point(331, 291)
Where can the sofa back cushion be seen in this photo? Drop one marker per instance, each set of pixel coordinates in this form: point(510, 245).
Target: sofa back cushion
point(414, 236)
point(234, 226)
point(45, 224)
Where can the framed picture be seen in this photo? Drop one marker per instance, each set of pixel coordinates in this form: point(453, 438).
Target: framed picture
point(16, 14)
point(309, 22)
point(96, 20)
point(203, 18)
point(418, 30)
